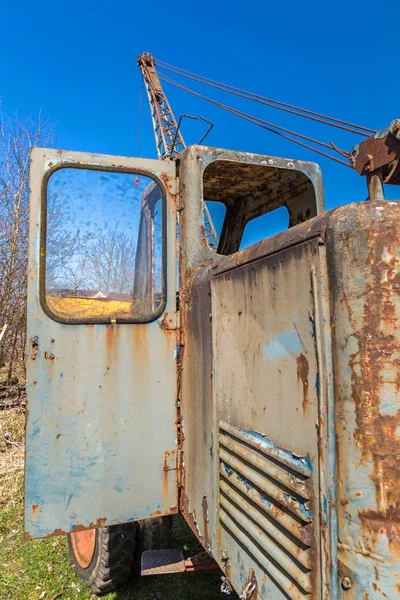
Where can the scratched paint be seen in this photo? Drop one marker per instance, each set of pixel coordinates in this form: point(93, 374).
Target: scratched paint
point(101, 427)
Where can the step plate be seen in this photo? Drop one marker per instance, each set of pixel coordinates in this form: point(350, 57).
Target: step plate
point(162, 562)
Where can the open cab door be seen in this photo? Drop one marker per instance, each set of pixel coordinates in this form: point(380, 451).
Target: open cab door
point(101, 444)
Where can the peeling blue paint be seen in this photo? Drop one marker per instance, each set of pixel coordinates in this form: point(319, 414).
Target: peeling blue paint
point(325, 508)
point(266, 501)
point(283, 344)
point(302, 464)
point(228, 469)
point(245, 481)
point(317, 382)
point(302, 502)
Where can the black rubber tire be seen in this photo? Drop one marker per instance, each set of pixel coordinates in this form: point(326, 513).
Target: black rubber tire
point(113, 558)
point(156, 533)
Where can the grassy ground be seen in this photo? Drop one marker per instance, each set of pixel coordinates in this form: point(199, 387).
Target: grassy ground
point(41, 569)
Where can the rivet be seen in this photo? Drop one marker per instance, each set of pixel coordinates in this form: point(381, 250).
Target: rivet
point(346, 583)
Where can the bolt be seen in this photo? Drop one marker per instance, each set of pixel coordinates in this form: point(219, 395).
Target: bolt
point(346, 583)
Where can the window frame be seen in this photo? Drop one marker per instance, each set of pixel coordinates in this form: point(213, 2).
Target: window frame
point(43, 249)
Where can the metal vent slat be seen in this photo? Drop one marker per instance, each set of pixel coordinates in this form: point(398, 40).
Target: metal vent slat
point(264, 484)
point(299, 464)
point(263, 464)
point(283, 519)
point(267, 525)
point(264, 504)
point(286, 584)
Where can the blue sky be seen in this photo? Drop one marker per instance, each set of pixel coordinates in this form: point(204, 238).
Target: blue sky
point(77, 62)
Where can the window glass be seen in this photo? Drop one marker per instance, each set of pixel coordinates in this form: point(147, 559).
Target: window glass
point(264, 226)
point(214, 215)
point(104, 246)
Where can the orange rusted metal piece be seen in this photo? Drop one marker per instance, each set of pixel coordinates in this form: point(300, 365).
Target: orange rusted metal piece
point(83, 544)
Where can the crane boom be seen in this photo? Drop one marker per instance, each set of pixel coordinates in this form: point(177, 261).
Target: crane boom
point(169, 140)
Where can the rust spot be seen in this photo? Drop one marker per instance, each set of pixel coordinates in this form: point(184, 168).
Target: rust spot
point(110, 335)
point(189, 517)
point(302, 375)
point(167, 324)
point(205, 518)
point(165, 487)
point(372, 364)
point(35, 510)
point(140, 343)
point(58, 436)
point(170, 457)
point(387, 523)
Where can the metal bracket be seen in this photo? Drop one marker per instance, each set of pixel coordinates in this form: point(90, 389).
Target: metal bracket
point(378, 157)
point(211, 125)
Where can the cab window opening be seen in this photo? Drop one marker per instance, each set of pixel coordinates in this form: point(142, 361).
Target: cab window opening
point(259, 200)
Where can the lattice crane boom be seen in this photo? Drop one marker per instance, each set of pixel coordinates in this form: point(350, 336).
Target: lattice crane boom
point(169, 140)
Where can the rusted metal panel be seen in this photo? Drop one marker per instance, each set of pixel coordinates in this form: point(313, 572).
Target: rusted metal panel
point(267, 403)
point(363, 255)
point(211, 372)
point(101, 433)
point(379, 150)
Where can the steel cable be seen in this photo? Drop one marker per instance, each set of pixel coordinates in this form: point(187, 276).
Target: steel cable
point(276, 129)
point(277, 104)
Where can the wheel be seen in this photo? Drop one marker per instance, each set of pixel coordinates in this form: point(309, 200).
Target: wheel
point(103, 558)
point(156, 533)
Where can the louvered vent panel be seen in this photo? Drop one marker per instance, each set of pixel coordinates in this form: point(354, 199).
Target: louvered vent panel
point(264, 504)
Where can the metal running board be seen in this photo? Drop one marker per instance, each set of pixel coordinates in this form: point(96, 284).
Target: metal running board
point(162, 562)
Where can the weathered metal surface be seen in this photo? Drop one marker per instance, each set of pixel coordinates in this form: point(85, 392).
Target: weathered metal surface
point(364, 262)
point(381, 150)
point(162, 562)
point(101, 434)
point(340, 271)
point(263, 318)
point(214, 364)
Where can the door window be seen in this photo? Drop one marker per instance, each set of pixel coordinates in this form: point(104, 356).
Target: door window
point(103, 255)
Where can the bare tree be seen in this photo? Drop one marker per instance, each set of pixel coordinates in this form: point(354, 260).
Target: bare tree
point(17, 137)
point(109, 262)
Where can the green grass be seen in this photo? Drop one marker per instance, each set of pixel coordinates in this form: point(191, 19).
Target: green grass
point(41, 568)
point(30, 569)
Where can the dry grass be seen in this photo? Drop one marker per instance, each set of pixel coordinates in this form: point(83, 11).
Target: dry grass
point(12, 432)
point(89, 307)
